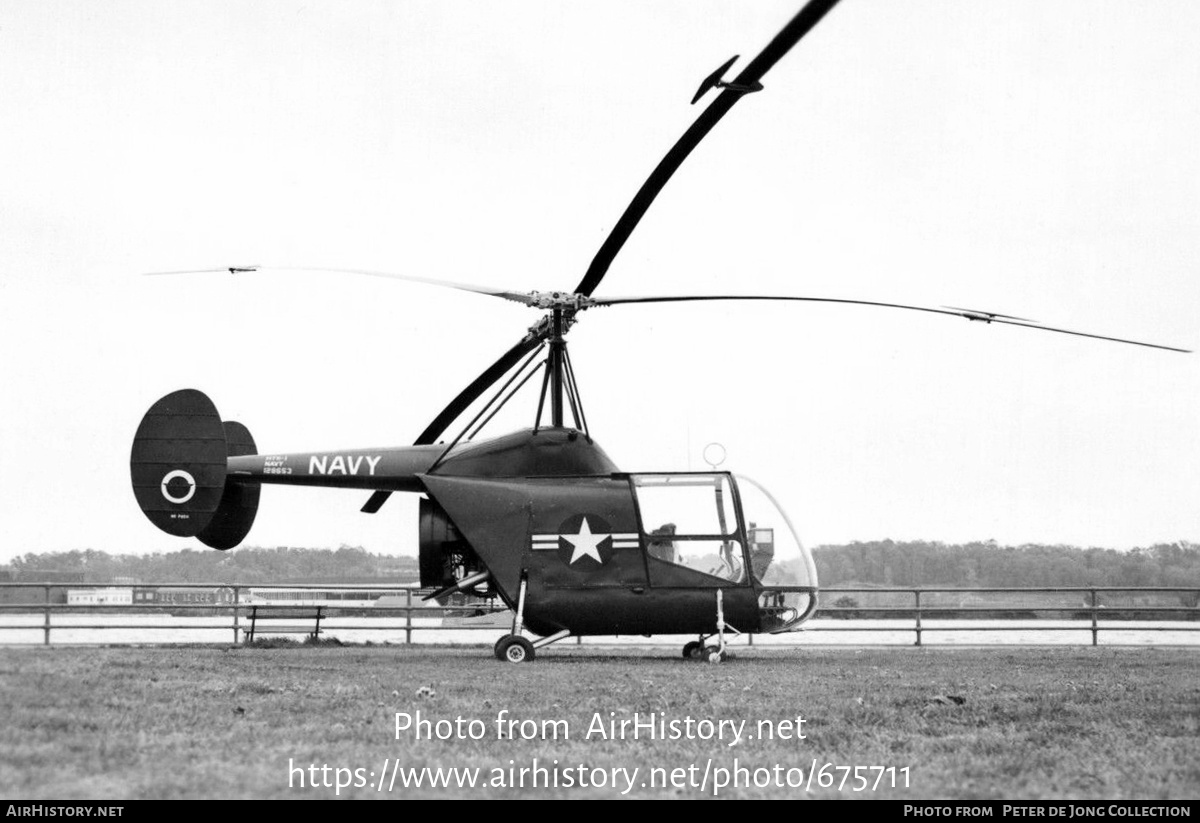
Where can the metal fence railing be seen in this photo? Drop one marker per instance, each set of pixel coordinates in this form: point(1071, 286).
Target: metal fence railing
point(1099, 608)
point(59, 607)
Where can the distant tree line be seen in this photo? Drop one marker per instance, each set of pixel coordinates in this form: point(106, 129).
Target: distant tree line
point(348, 564)
point(987, 564)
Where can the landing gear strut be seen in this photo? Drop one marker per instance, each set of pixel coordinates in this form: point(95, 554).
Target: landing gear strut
point(696, 650)
point(515, 647)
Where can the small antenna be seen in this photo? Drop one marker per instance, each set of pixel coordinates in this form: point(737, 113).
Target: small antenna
point(714, 455)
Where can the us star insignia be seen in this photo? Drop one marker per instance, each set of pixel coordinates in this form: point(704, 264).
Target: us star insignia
point(584, 542)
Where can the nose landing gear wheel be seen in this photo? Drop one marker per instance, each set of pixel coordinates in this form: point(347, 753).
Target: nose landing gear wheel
point(514, 649)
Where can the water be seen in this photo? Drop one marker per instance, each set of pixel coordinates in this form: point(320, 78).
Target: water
point(145, 629)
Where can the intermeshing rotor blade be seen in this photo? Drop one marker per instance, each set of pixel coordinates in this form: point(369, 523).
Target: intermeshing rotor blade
point(516, 297)
point(481, 384)
point(800, 25)
point(969, 314)
point(460, 404)
point(222, 270)
point(749, 78)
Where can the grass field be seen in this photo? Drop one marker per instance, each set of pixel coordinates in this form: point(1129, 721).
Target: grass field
point(241, 722)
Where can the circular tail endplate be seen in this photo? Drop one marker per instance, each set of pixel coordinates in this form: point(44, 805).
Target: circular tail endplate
point(178, 463)
point(239, 502)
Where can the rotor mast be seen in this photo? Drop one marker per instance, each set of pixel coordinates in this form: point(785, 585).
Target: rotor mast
point(558, 351)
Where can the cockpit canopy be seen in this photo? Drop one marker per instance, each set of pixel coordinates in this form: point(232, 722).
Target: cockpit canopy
point(732, 531)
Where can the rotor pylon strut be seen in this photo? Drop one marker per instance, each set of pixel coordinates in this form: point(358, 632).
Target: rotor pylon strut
point(558, 384)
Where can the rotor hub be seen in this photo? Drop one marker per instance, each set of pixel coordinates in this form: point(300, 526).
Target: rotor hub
point(563, 300)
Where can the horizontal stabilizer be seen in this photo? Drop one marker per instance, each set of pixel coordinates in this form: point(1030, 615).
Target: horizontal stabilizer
point(375, 502)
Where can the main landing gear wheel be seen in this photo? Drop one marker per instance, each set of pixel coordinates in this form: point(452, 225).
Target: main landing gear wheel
point(496, 648)
point(514, 649)
point(713, 655)
point(691, 650)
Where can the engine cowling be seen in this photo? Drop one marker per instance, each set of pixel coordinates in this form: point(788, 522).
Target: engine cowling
point(445, 555)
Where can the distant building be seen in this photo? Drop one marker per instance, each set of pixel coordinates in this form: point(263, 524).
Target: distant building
point(108, 596)
point(180, 596)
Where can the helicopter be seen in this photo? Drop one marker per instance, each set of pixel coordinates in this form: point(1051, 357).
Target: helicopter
point(541, 518)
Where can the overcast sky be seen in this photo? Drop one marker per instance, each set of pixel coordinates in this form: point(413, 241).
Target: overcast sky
point(1033, 158)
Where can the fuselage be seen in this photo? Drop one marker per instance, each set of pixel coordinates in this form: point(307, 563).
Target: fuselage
point(541, 511)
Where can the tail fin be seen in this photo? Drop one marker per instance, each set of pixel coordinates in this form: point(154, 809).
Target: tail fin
point(178, 468)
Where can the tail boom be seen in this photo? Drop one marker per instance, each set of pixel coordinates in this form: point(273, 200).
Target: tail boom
point(391, 469)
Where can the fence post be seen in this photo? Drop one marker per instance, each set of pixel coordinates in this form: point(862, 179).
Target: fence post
point(917, 593)
point(236, 609)
point(408, 617)
point(46, 620)
point(1095, 627)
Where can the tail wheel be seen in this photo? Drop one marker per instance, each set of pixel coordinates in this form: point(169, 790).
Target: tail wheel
point(515, 649)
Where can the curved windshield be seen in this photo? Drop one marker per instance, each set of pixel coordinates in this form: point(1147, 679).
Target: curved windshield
point(778, 560)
